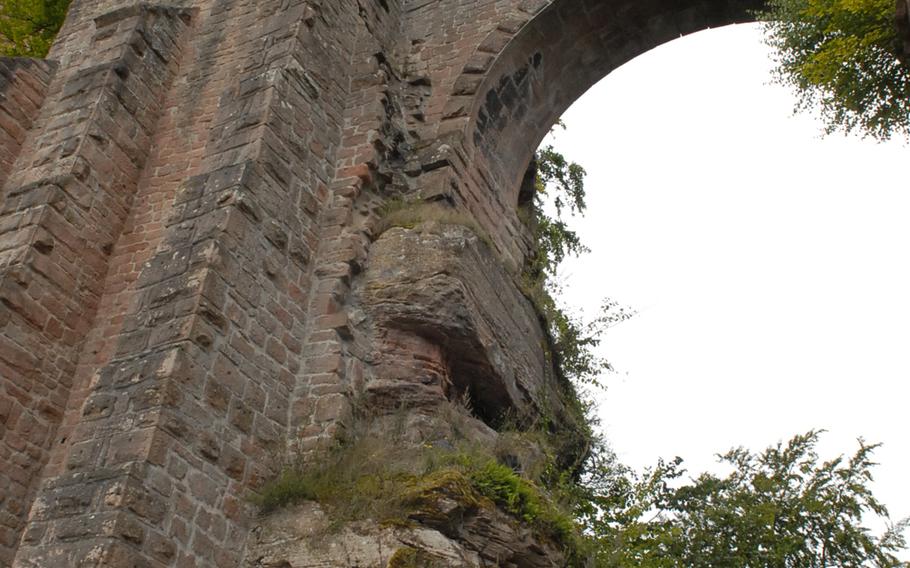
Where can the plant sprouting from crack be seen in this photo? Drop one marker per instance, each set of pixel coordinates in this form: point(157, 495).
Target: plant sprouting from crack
point(553, 192)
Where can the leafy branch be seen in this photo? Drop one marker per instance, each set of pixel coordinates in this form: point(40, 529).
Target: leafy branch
point(844, 58)
point(782, 507)
point(558, 185)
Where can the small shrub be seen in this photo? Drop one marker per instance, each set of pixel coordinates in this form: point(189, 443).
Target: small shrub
point(356, 480)
point(408, 557)
point(507, 489)
point(404, 557)
point(292, 486)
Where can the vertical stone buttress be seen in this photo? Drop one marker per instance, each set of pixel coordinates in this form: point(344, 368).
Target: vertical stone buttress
point(157, 274)
point(63, 207)
point(23, 85)
point(333, 365)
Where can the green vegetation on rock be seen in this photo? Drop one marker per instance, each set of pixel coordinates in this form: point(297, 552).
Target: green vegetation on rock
point(381, 480)
point(408, 557)
point(783, 507)
point(558, 184)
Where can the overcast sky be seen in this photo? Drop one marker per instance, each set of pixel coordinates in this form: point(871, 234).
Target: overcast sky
point(769, 265)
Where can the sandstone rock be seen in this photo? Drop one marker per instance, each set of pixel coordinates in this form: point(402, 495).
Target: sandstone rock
point(300, 537)
point(443, 285)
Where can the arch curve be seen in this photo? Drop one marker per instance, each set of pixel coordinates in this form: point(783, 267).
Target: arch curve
point(508, 102)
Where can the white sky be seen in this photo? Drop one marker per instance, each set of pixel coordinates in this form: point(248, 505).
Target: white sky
point(769, 265)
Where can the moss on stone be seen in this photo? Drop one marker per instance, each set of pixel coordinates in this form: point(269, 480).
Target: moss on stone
point(409, 557)
point(413, 484)
point(404, 557)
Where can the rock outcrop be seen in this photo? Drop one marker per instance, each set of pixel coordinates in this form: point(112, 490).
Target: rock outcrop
point(300, 537)
point(455, 351)
point(441, 286)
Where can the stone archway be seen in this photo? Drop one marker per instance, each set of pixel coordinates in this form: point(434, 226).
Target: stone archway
point(562, 53)
point(540, 58)
point(191, 270)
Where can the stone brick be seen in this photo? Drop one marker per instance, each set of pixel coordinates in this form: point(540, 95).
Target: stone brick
point(331, 407)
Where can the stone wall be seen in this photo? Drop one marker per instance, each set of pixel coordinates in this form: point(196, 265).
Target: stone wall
point(64, 205)
point(23, 85)
point(195, 271)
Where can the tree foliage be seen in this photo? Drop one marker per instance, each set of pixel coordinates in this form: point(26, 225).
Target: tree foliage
point(28, 27)
point(842, 57)
point(558, 193)
point(779, 508)
point(562, 183)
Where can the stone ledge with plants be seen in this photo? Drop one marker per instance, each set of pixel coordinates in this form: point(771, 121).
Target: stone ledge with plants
point(490, 498)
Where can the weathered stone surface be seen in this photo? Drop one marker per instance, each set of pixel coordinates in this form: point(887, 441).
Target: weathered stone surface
point(300, 537)
point(190, 282)
point(442, 284)
point(23, 86)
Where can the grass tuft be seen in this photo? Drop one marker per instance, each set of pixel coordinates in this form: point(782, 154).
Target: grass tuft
point(373, 480)
point(410, 215)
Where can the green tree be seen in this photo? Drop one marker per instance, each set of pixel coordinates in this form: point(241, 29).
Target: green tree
point(28, 27)
point(780, 508)
point(844, 58)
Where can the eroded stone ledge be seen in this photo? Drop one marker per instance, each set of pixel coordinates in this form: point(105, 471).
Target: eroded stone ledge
point(441, 286)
